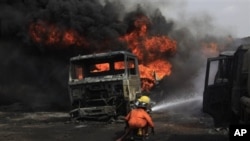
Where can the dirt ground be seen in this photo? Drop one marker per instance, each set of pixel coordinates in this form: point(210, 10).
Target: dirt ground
point(51, 126)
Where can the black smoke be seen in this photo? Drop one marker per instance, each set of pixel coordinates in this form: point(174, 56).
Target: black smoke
point(35, 74)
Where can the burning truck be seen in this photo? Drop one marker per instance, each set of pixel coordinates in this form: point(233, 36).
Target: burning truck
point(100, 83)
point(103, 85)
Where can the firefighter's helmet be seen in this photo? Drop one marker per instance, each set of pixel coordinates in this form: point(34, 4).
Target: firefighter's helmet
point(144, 99)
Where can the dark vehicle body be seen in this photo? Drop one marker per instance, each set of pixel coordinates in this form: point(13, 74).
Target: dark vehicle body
point(226, 94)
point(103, 85)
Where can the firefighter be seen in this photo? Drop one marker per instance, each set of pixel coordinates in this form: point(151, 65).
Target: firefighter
point(138, 118)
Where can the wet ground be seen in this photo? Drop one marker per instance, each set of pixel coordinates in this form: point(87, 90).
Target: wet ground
point(51, 126)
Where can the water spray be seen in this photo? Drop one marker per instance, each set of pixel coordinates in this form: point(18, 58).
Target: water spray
point(174, 103)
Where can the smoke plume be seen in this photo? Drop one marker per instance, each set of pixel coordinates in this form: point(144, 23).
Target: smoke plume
point(35, 72)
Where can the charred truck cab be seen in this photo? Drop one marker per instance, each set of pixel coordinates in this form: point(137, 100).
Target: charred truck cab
point(103, 85)
point(227, 87)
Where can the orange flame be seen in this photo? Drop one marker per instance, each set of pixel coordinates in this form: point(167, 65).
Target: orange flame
point(150, 51)
point(213, 48)
point(210, 49)
point(42, 32)
point(101, 67)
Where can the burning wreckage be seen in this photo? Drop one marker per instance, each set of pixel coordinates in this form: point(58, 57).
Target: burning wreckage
point(107, 84)
point(103, 85)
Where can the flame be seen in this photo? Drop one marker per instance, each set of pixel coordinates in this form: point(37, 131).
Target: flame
point(79, 73)
point(50, 34)
point(150, 50)
point(101, 67)
point(213, 48)
point(210, 49)
point(105, 66)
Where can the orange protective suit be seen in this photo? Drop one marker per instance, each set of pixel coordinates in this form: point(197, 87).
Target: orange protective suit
point(139, 118)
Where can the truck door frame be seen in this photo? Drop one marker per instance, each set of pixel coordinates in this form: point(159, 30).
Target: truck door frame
point(217, 96)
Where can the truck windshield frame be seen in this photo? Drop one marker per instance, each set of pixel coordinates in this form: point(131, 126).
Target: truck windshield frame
point(98, 67)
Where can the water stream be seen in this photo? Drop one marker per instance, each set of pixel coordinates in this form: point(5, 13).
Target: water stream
point(175, 103)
